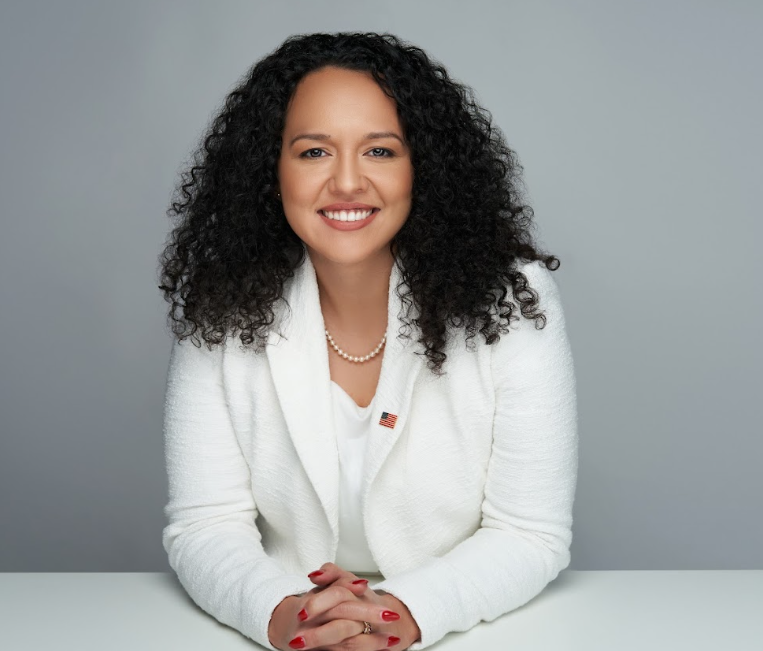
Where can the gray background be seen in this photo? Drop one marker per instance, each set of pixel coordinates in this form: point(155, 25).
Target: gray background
point(639, 128)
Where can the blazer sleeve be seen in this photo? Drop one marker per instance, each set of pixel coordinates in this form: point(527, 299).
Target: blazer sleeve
point(526, 526)
point(211, 539)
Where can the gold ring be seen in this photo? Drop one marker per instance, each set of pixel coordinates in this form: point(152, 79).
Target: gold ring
point(366, 628)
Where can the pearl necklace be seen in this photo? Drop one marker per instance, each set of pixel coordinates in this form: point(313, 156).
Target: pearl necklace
point(350, 358)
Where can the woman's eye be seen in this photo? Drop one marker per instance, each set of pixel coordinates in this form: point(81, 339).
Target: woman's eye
point(377, 152)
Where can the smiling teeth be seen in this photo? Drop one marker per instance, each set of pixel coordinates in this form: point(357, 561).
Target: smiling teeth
point(347, 215)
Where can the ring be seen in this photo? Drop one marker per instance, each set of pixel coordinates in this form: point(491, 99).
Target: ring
point(366, 628)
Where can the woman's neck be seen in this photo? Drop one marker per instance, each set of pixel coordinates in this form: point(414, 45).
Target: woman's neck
point(354, 297)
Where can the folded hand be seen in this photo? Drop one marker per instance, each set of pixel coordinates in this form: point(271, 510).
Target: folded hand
point(400, 633)
point(331, 617)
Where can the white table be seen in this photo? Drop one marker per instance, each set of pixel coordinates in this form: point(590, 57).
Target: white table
point(579, 611)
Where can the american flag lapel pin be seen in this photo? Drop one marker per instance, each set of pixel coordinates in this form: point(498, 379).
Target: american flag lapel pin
point(388, 420)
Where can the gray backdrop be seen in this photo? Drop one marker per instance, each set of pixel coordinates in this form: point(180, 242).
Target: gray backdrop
point(639, 128)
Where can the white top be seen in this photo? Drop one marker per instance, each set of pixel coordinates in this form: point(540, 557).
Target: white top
point(352, 425)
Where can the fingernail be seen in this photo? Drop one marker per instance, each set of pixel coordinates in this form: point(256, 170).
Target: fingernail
point(316, 573)
point(297, 643)
point(389, 616)
point(392, 640)
point(302, 614)
point(359, 581)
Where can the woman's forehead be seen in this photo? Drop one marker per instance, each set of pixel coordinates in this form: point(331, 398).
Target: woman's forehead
point(341, 99)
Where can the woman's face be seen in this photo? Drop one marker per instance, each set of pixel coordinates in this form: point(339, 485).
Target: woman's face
point(342, 148)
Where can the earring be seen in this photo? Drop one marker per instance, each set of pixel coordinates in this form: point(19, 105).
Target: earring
point(278, 194)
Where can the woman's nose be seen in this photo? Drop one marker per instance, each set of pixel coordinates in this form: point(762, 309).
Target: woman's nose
point(348, 175)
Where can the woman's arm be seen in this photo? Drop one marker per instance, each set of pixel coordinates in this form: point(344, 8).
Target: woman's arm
point(526, 529)
point(211, 539)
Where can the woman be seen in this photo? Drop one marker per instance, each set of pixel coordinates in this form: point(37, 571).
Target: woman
point(348, 195)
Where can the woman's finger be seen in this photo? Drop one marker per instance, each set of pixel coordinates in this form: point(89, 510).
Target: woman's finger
point(320, 637)
point(357, 587)
point(331, 573)
point(335, 596)
point(326, 573)
point(361, 611)
point(319, 602)
point(368, 642)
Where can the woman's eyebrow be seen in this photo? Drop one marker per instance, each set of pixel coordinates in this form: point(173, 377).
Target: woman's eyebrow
point(374, 135)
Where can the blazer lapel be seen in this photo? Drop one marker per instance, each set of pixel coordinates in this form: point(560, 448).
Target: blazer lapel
point(300, 370)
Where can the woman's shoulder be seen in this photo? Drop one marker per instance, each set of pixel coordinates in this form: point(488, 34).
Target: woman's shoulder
point(540, 337)
point(541, 286)
point(193, 353)
point(539, 278)
point(524, 332)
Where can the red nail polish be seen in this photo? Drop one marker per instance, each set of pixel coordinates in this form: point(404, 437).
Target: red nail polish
point(359, 581)
point(302, 615)
point(392, 640)
point(389, 616)
point(297, 643)
point(316, 573)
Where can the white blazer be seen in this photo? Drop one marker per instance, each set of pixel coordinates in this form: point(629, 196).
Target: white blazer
point(467, 499)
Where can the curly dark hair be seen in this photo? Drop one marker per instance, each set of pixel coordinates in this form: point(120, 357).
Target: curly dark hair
point(225, 263)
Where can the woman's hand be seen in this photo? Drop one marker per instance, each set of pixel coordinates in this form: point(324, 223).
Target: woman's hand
point(324, 617)
point(399, 633)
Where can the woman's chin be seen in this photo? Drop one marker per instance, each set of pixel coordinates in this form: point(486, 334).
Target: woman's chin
point(348, 257)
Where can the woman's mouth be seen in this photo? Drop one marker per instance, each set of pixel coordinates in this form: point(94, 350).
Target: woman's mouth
point(348, 215)
point(348, 220)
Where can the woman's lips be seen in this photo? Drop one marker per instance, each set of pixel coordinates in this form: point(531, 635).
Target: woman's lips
point(349, 226)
